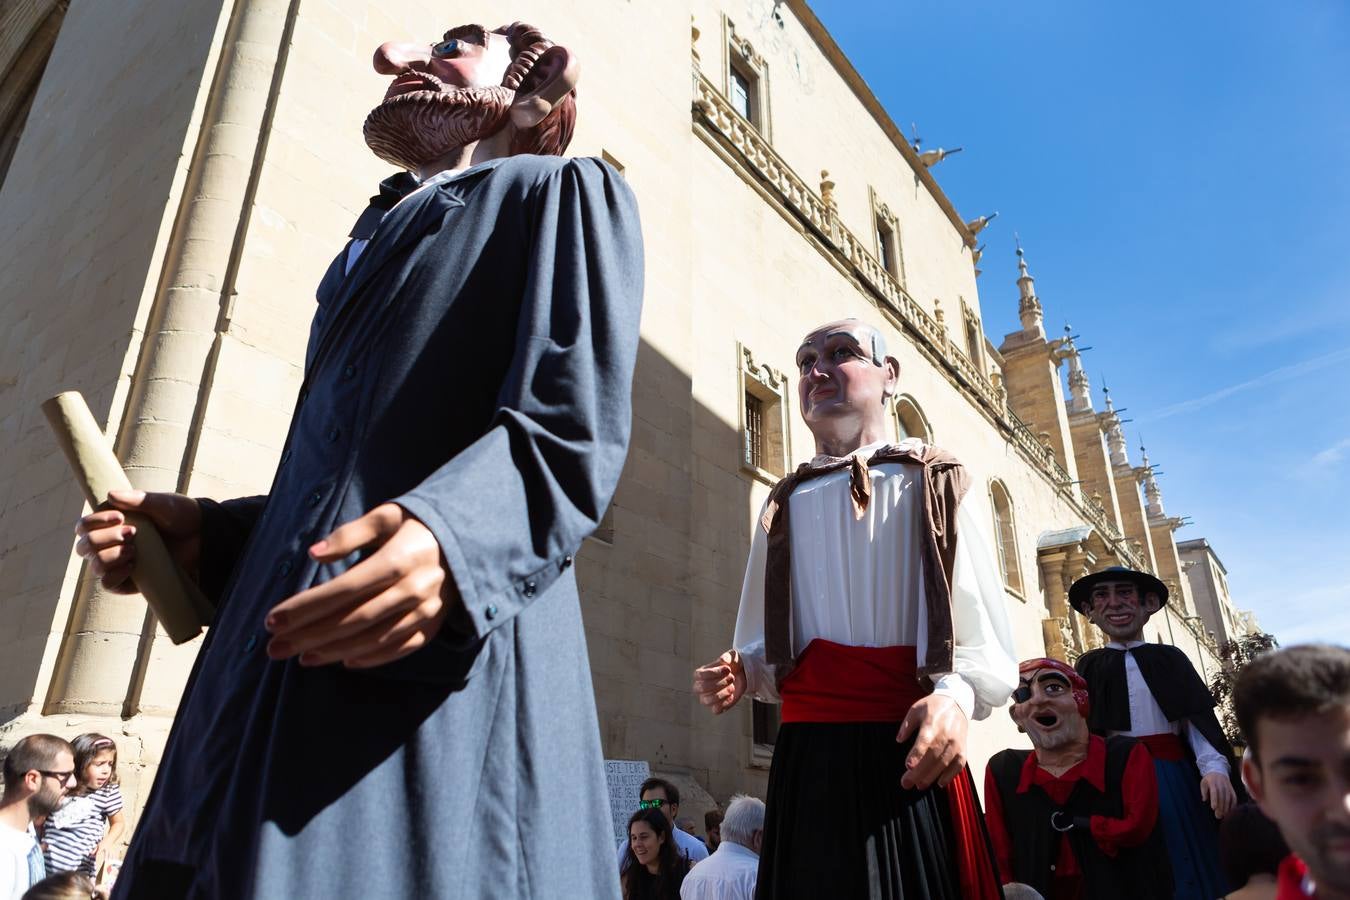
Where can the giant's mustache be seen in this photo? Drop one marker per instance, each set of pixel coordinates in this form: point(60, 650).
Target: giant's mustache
point(418, 127)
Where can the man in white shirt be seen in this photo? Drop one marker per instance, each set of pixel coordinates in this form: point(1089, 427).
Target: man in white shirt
point(730, 873)
point(877, 619)
point(38, 772)
point(657, 793)
point(1152, 693)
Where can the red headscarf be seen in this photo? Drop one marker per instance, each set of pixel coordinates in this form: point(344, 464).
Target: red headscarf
point(1076, 682)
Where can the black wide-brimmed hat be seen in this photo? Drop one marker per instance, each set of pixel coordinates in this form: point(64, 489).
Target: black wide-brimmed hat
point(1080, 594)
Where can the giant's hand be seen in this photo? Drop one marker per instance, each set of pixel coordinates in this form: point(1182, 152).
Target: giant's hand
point(939, 728)
point(108, 541)
point(1217, 791)
point(383, 608)
point(721, 683)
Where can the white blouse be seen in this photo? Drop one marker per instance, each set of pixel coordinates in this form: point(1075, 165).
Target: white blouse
point(859, 582)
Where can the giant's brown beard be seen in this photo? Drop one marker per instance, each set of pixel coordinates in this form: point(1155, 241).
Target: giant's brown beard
point(417, 128)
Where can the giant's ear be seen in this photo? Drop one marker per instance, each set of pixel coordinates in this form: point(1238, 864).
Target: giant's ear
point(553, 77)
point(892, 366)
point(1152, 602)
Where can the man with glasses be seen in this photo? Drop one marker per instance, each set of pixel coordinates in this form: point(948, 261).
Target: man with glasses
point(38, 772)
point(657, 793)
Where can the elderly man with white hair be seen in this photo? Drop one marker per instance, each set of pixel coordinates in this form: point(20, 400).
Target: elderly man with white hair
point(730, 873)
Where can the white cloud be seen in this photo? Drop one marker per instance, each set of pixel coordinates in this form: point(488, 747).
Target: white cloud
point(1332, 455)
point(1274, 376)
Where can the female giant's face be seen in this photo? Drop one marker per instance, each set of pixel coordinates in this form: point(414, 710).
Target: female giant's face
point(646, 843)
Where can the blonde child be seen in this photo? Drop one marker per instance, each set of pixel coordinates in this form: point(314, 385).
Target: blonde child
point(74, 837)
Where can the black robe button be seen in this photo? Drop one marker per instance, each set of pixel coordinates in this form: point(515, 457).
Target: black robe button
point(491, 611)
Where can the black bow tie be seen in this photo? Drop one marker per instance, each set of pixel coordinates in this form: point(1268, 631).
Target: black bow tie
point(392, 189)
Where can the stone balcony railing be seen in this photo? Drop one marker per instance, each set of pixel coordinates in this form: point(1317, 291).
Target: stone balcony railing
point(728, 132)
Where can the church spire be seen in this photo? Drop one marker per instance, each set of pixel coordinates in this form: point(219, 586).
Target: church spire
point(1029, 306)
point(1153, 504)
point(1080, 391)
point(1115, 435)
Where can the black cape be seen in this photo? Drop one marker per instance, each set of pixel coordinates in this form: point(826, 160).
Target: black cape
point(1174, 684)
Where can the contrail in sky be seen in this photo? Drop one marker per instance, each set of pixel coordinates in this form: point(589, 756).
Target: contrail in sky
point(1284, 373)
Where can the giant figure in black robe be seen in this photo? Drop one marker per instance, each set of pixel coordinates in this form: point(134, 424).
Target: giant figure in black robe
point(473, 365)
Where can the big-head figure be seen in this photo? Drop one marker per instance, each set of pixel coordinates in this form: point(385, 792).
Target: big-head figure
point(1075, 816)
point(872, 609)
point(1152, 692)
point(394, 699)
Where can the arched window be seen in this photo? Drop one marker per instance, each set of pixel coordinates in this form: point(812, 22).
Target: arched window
point(1005, 535)
point(910, 420)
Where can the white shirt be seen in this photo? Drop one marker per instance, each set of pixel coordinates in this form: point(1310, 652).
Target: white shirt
point(859, 582)
point(690, 847)
point(729, 874)
point(1146, 716)
point(19, 856)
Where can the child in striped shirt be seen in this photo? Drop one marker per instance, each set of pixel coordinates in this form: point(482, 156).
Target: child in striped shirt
point(73, 837)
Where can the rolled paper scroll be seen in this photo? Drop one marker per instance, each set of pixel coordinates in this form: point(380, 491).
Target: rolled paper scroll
point(177, 602)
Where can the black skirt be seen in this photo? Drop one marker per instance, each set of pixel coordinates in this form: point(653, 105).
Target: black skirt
point(838, 823)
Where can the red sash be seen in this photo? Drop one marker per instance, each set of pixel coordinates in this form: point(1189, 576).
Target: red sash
point(1166, 746)
point(836, 683)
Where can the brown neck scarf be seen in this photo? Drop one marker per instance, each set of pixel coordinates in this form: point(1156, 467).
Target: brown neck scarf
point(944, 483)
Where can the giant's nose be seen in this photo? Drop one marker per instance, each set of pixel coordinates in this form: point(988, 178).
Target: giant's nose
point(392, 57)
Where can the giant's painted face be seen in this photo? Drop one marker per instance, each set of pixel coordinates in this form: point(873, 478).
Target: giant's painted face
point(843, 370)
point(469, 86)
point(1046, 708)
point(1120, 609)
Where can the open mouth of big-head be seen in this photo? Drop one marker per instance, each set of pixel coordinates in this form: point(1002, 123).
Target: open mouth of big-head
point(1047, 720)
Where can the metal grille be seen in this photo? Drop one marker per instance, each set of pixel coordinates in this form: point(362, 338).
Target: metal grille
point(740, 96)
point(884, 248)
point(754, 431)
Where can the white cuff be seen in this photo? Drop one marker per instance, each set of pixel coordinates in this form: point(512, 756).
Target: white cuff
point(962, 691)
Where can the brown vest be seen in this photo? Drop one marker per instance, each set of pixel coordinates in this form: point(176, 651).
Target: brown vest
point(944, 483)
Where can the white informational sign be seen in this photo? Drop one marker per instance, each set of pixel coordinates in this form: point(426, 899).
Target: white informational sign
point(625, 777)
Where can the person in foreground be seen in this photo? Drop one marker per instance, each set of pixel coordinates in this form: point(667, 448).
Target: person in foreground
point(1151, 692)
point(878, 620)
point(653, 867)
point(1074, 817)
point(730, 873)
point(461, 426)
point(38, 771)
point(1293, 706)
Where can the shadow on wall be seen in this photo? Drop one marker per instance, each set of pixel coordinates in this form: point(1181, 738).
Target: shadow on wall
point(660, 597)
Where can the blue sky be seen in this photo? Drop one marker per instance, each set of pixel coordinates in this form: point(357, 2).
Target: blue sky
point(1179, 174)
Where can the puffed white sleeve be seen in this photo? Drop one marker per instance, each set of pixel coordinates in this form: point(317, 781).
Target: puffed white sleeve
point(749, 637)
point(984, 661)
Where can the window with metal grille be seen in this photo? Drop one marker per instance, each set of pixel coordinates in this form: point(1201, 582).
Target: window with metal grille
point(886, 247)
point(754, 431)
point(743, 95)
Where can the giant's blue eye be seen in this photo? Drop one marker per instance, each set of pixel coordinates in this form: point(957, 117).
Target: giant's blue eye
point(446, 48)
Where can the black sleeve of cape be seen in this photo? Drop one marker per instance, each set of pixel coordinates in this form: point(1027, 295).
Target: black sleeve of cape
point(226, 526)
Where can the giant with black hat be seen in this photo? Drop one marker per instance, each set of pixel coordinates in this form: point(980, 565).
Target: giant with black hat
point(1080, 594)
point(1151, 692)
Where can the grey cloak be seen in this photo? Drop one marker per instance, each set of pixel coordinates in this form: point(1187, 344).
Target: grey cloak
point(475, 366)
